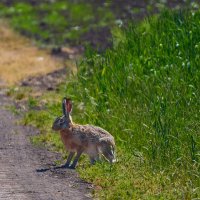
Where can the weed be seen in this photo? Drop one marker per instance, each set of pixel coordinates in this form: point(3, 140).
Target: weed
point(32, 102)
point(13, 109)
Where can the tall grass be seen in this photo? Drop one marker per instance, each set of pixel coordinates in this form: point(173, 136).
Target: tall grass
point(146, 91)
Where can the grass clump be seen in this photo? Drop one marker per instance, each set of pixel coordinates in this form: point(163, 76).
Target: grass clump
point(145, 91)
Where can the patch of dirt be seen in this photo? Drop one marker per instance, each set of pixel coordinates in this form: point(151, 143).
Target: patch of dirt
point(48, 82)
point(99, 38)
point(20, 163)
point(20, 58)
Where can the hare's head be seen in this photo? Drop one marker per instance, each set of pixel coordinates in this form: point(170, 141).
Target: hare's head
point(64, 121)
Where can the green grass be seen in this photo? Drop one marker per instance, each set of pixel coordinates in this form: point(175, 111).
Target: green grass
point(145, 91)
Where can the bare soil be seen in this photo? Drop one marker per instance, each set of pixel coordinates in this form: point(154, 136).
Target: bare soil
point(48, 82)
point(20, 58)
point(20, 162)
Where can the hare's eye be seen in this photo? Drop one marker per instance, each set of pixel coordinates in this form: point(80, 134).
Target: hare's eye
point(62, 121)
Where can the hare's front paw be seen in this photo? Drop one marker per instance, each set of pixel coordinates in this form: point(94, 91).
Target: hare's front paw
point(72, 167)
point(64, 166)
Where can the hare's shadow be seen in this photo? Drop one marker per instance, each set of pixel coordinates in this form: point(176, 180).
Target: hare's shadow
point(53, 168)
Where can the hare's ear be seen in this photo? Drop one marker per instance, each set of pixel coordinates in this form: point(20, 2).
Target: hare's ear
point(68, 105)
point(64, 107)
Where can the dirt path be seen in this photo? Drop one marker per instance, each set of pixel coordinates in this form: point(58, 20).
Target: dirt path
point(19, 161)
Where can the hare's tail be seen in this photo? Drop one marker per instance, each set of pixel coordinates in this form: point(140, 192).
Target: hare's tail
point(107, 148)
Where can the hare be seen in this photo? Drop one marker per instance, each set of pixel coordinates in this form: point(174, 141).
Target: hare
point(88, 139)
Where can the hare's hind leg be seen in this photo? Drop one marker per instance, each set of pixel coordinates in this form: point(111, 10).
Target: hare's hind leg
point(93, 153)
point(73, 166)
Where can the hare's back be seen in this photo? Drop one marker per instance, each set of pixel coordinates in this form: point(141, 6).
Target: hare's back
point(92, 132)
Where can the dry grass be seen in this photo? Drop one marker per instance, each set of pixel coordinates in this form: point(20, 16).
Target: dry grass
point(19, 58)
